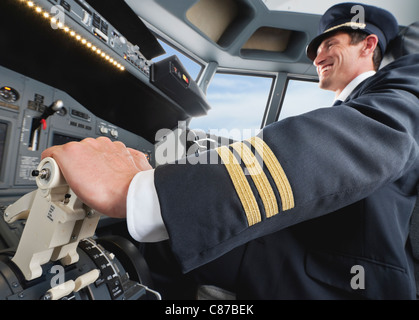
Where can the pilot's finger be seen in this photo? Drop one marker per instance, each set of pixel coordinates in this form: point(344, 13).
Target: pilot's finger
point(53, 151)
point(102, 143)
point(48, 152)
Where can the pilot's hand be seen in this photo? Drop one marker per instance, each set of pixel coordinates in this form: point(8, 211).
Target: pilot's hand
point(99, 172)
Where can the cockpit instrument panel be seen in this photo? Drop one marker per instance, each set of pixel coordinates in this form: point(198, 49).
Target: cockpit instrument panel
point(33, 117)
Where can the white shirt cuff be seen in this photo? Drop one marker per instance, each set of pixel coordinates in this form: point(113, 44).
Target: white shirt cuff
point(144, 220)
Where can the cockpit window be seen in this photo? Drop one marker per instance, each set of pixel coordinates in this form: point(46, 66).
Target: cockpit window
point(303, 96)
point(238, 104)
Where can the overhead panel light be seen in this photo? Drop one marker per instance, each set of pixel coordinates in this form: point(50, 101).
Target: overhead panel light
point(58, 25)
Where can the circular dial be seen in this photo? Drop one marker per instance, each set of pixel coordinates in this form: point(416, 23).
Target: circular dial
point(9, 94)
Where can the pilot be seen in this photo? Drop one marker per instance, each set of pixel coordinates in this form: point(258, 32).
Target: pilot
point(316, 206)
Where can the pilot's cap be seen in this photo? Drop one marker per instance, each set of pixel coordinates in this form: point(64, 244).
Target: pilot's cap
point(355, 16)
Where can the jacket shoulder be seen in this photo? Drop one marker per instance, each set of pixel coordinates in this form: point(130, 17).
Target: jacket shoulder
point(401, 74)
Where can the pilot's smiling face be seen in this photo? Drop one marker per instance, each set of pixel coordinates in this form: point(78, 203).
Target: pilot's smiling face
point(336, 62)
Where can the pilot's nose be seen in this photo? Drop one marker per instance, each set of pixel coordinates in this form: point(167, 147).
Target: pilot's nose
point(319, 58)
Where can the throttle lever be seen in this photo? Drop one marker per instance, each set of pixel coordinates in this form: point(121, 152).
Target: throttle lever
point(40, 123)
point(56, 221)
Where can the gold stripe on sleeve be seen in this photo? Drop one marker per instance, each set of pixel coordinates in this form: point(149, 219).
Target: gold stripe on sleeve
point(241, 185)
point(259, 178)
point(277, 172)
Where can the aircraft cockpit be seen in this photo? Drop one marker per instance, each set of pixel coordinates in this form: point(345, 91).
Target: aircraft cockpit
point(198, 74)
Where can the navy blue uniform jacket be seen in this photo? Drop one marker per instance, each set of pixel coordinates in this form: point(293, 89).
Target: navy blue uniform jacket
point(336, 190)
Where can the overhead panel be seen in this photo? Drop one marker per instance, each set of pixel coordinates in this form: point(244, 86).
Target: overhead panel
point(220, 20)
point(271, 43)
point(128, 23)
point(212, 17)
point(269, 39)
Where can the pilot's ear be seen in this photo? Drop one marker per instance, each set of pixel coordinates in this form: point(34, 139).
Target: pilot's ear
point(370, 43)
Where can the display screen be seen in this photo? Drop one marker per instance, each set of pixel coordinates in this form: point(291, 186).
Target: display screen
point(59, 139)
point(3, 133)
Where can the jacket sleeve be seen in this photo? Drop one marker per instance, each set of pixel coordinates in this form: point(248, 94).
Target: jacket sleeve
point(295, 170)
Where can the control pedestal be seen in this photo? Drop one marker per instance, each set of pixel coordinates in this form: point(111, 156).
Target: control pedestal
point(58, 239)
